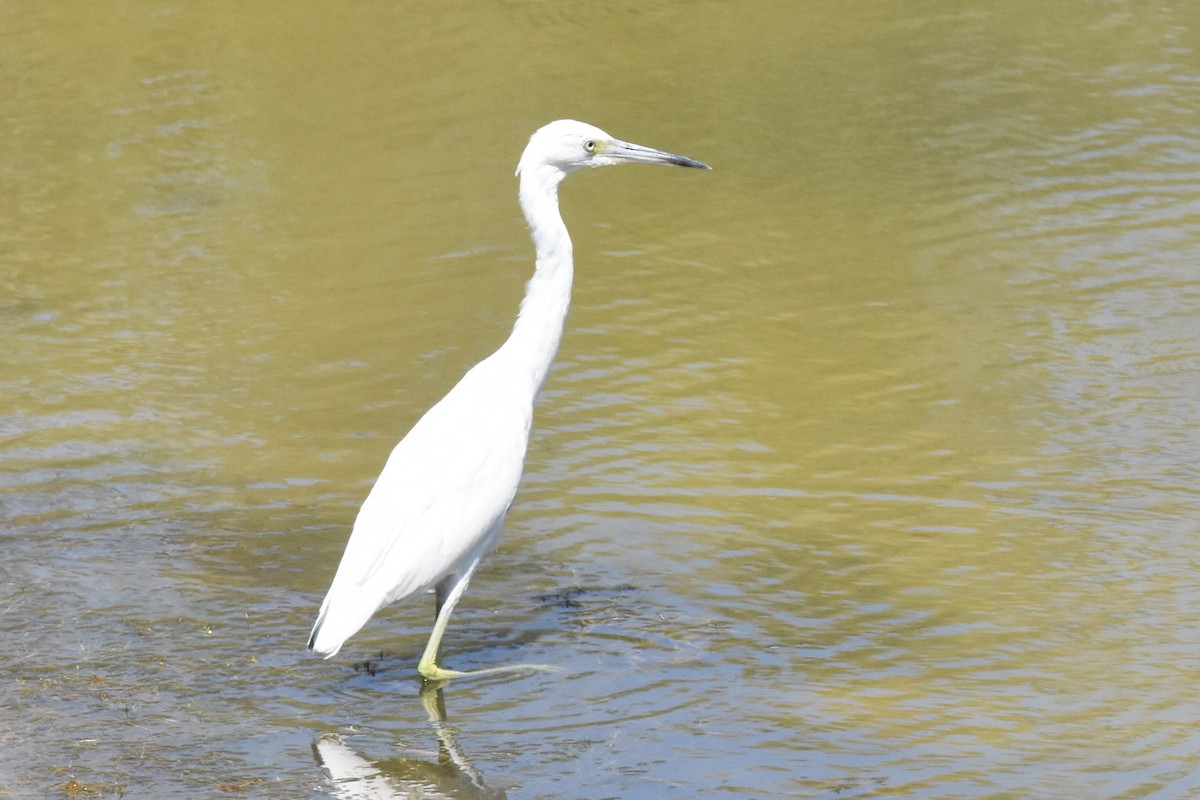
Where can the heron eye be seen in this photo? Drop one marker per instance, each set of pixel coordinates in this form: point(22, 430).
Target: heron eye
point(590, 145)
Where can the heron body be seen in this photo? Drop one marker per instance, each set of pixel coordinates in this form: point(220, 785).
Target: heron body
point(439, 504)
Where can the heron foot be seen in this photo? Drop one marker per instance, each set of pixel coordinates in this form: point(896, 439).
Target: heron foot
point(432, 672)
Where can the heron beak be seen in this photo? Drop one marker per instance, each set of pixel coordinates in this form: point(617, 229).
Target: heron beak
point(630, 153)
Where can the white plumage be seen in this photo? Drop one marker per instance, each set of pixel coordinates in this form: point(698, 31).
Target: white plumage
point(439, 503)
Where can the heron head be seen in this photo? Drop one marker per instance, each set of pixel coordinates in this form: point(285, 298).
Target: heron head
point(567, 145)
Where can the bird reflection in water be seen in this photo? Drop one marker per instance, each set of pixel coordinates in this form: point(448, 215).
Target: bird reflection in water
point(450, 775)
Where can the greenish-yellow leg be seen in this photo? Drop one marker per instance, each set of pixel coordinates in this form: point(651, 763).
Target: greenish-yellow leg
point(448, 593)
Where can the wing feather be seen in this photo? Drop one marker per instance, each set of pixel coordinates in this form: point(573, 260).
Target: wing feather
point(436, 507)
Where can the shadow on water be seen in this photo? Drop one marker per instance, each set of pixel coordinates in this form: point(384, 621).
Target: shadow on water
point(450, 774)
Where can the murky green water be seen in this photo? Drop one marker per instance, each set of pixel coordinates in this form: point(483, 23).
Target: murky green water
point(868, 467)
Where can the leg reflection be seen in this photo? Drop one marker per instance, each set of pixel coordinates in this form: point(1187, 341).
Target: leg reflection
point(448, 775)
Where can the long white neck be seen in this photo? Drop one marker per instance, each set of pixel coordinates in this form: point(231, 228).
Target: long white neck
point(539, 327)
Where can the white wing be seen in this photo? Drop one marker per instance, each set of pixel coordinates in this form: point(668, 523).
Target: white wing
point(438, 504)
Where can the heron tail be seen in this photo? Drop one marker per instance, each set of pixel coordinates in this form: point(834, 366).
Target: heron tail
point(322, 639)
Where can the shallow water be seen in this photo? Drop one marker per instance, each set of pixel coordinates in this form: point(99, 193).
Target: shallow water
point(867, 469)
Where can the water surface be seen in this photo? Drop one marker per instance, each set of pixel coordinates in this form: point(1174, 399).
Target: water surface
point(868, 467)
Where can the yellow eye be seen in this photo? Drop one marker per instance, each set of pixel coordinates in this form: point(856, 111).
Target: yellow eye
point(590, 145)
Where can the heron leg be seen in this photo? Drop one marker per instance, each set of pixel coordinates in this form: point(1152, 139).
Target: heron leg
point(448, 592)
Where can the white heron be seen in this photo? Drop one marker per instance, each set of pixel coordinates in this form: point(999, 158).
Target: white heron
point(439, 503)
